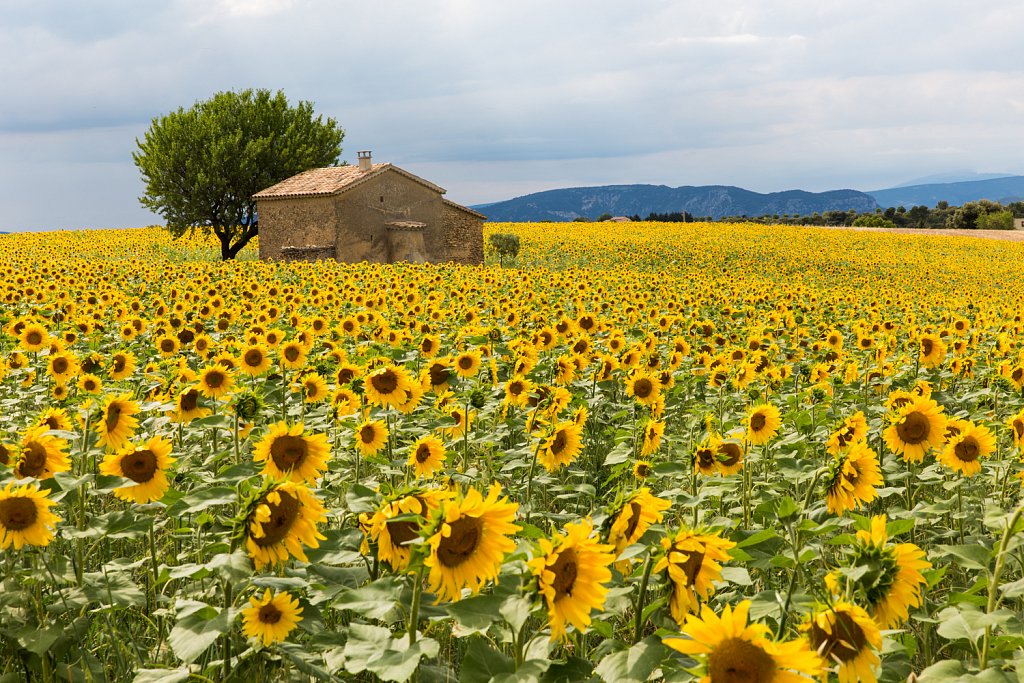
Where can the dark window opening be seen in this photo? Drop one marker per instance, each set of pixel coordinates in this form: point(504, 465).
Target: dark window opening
point(382, 199)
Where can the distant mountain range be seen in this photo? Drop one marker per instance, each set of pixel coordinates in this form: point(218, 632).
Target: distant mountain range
point(719, 201)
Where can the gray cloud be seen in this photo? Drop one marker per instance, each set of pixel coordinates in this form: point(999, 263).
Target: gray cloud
point(496, 99)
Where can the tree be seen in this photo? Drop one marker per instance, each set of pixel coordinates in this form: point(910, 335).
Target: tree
point(202, 165)
point(506, 245)
point(997, 220)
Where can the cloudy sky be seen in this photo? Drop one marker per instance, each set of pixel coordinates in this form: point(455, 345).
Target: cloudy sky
point(497, 99)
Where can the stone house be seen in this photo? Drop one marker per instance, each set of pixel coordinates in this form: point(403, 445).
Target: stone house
point(1018, 223)
point(369, 212)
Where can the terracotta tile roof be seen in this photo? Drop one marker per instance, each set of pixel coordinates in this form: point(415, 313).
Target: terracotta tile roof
point(460, 207)
point(332, 180)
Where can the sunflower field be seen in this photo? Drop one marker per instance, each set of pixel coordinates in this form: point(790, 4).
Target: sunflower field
point(639, 452)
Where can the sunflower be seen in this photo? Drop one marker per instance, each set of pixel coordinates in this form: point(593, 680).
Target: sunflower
point(371, 436)
point(964, 449)
point(345, 373)
point(255, 360)
point(1016, 425)
point(762, 424)
point(429, 345)
point(34, 337)
point(852, 479)
point(571, 571)
point(117, 421)
point(469, 542)
point(187, 407)
point(288, 453)
point(853, 429)
point(932, 350)
point(61, 366)
point(561, 447)
point(437, 376)
point(653, 431)
point(344, 402)
point(634, 517)
point(729, 649)
point(314, 388)
point(413, 396)
point(462, 423)
point(728, 455)
point(146, 466)
point(25, 517)
point(293, 355)
point(467, 363)
point(642, 469)
point(271, 618)
point(692, 563)
point(846, 637)
point(644, 387)
point(892, 582)
point(54, 418)
point(387, 386)
point(215, 382)
point(90, 384)
point(398, 522)
point(426, 456)
point(42, 455)
point(704, 460)
point(167, 346)
point(917, 427)
point(280, 522)
point(517, 392)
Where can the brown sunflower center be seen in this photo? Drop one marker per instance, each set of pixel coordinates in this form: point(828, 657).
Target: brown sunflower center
point(113, 416)
point(705, 457)
point(735, 660)
point(968, 450)
point(18, 514)
point(422, 453)
point(52, 422)
point(515, 388)
point(33, 460)
point(385, 382)
point(694, 561)
point(215, 379)
point(1018, 428)
point(291, 353)
point(914, 428)
point(565, 569)
point(139, 466)
point(367, 434)
point(288, 451)
point(5, 454)
point(34, 338)
point(189, 400)
point(438, 374)
point(282, 517)
point(642, 470)
point(270, 614)
point(253, 358)
point(846, 641)
point(560, 442)
point(643, 388)
point(633, 521)
point(466, 362)
point(463, 541)
point(758, 421)
point(60, 365)
point(119, 363)
point(926, 346)
point(167, 345)
point(403, 531)
point(1017, 374)
point(729, 453)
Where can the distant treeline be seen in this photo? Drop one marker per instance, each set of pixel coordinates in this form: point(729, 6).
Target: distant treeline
point(979, 215)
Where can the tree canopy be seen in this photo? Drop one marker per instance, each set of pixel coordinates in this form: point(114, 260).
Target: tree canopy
point(202, 165)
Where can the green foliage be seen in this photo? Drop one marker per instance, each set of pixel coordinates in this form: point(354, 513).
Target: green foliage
point(873, 221)
point(505, 245)
point(997, 220)
point(202, 165)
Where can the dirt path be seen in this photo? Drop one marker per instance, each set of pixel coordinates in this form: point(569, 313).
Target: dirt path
point(1005, 235)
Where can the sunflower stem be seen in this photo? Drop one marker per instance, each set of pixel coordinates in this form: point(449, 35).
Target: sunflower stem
point(638, 621)
point(993, 584)
point(414, 612)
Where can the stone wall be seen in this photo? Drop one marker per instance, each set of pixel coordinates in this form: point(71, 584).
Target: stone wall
point(314, 253)
point(295, 222)
point(464, 236)
point(363, 212)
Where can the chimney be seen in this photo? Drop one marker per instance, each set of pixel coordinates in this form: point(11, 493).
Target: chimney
point(365, 160)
